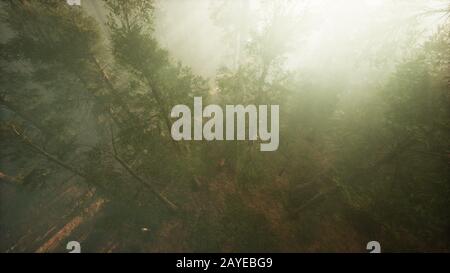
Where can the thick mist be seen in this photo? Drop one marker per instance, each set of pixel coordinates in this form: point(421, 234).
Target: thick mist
point(325, 36)
point(118, 129)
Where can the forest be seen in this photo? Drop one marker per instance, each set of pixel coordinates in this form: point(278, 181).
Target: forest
point(87, 153)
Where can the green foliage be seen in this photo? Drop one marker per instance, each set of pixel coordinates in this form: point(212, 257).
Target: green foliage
point(374, 154)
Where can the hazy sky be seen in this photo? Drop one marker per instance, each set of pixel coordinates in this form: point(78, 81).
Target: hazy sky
point(319, 33)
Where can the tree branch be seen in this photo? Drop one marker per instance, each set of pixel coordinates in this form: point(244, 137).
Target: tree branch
point(143, 182)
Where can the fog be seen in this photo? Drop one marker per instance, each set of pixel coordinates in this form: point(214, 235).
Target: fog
point(358, 96)
point(319, 36)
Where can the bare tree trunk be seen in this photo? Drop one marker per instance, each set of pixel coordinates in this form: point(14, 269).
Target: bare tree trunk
point(10, 179)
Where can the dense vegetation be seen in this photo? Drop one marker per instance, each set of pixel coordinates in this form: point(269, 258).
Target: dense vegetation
point(96, 104)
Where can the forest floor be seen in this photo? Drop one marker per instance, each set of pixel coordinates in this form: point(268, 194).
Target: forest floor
point(221, 216)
